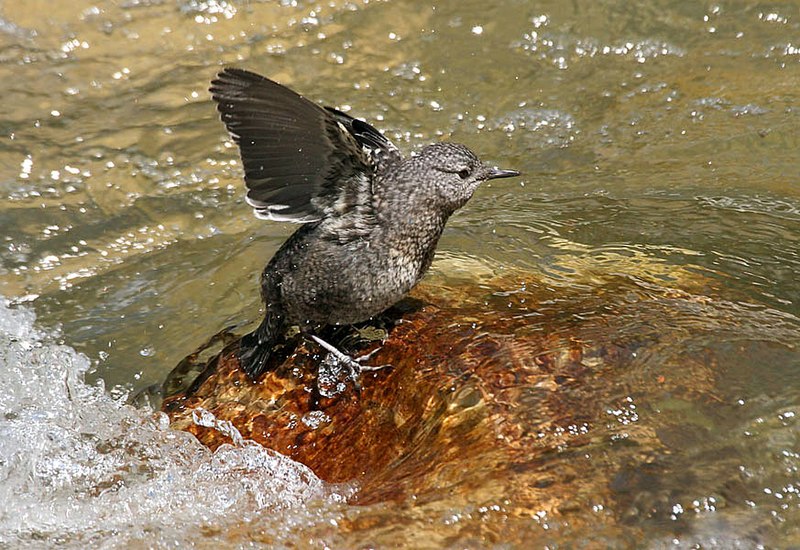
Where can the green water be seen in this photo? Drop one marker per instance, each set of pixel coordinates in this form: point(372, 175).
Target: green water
point(658, 142)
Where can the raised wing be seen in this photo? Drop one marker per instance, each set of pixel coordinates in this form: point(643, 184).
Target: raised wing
point(380, 150)
point(301, 162)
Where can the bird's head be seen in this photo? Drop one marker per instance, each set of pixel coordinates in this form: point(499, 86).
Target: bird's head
point(453, 172)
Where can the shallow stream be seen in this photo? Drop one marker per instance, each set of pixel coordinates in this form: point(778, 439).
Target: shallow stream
point(659, 147)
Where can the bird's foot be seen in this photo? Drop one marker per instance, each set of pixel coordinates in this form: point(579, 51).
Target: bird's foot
point(353, 365)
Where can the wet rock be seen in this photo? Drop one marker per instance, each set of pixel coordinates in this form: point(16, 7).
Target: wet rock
point(509, 390)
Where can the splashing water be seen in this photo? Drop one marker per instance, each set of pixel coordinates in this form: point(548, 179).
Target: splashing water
point(78, 466)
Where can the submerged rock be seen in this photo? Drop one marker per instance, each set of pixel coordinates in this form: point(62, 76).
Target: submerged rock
point(506, 391)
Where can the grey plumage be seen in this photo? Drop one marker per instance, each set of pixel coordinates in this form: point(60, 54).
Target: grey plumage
point(371, 218)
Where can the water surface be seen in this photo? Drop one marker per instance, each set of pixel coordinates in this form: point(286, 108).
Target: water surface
point(659, 147)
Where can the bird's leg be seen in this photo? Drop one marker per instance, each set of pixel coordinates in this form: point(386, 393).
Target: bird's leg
point(354, 366)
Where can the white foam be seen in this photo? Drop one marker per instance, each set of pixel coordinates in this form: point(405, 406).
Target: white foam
point(78, 466)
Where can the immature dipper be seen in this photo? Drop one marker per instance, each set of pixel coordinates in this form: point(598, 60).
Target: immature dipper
point(371, 218)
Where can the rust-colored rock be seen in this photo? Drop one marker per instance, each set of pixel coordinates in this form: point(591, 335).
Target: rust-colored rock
point(493, 393)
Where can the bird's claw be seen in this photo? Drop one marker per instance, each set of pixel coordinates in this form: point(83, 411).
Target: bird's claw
point(353, 365)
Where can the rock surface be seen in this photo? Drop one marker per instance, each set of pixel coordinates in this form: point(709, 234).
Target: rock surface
point(517, 394)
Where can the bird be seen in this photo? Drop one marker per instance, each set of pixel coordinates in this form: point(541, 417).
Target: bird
point(370, 217)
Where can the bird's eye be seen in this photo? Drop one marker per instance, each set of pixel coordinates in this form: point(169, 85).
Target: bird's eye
point(463, 174)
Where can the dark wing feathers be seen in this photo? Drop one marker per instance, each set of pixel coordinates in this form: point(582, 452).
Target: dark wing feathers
point(365, 134)
point(301, 162)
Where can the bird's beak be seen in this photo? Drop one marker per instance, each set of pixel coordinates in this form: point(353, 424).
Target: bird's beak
point(496, 173)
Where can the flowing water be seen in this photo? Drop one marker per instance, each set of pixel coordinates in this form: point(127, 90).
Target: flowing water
point(658, 142)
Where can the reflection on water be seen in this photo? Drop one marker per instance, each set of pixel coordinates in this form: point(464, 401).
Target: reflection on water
point(659, 147)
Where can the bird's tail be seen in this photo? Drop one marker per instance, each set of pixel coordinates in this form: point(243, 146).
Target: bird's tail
point(257, 348)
